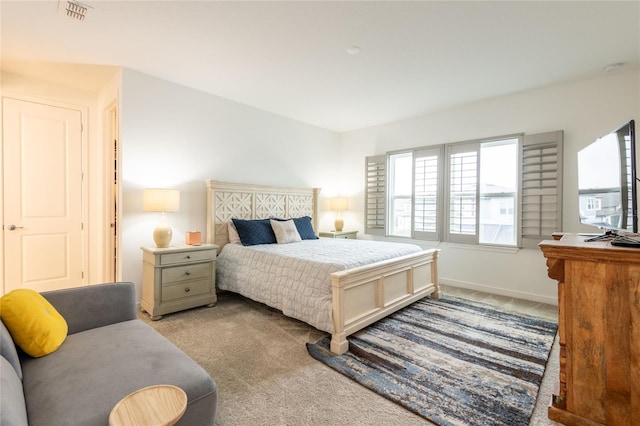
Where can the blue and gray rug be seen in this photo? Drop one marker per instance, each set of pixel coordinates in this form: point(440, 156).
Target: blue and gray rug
point(452, 361)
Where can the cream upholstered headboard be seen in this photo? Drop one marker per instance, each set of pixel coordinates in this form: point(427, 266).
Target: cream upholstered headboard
point(227, 200)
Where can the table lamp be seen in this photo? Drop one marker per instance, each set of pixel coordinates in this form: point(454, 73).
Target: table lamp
point(161, 200)
point(338, 204)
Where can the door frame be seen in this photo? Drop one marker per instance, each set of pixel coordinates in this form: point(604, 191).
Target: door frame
point(84, 113)
point(113, 191)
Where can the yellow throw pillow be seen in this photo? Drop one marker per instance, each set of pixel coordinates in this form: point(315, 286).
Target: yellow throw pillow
point(36, 327)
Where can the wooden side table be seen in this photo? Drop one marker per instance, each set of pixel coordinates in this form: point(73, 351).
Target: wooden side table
point(159, 405)
point(348, 235)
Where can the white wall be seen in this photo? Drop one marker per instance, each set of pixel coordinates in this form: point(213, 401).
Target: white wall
point(176, 137)
point(585, 110)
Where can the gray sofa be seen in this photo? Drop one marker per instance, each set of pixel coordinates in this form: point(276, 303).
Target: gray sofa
point(107, 354)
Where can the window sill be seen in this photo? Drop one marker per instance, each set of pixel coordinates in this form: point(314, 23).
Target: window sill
point(427, 244)
point(481, 247)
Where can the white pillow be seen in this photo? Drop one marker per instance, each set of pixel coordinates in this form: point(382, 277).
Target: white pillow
point(286, 231)
point(234, 238)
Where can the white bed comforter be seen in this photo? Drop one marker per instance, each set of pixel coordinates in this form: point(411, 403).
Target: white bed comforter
point(294, 278)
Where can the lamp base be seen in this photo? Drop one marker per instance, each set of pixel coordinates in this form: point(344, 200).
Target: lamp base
point(339, 224)
point(162, 235)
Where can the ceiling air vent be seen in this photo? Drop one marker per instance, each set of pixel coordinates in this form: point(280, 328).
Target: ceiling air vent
point(73, 9)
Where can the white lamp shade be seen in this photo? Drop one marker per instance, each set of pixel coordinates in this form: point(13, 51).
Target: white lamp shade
point(339, 204)
point(161, 200)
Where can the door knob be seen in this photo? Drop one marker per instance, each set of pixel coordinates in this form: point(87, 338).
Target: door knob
point(12, 227)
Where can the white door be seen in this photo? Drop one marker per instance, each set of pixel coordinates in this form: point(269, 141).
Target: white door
point(42, 166)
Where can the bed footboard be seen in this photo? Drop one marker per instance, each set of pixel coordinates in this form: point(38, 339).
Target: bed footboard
point(368, 293)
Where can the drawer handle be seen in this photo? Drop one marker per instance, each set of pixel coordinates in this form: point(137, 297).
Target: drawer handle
point(187, 290)
point(187, 273)
point(188, 256)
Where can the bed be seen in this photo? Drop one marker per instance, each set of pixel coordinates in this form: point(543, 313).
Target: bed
point(352, 296)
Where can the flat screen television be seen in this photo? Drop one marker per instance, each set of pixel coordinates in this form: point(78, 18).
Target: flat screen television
point(607, 194)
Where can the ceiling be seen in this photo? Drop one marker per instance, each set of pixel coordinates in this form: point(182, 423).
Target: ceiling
point(291, 58)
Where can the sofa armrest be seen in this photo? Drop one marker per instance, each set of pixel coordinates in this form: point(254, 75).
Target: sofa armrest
point(94, 306)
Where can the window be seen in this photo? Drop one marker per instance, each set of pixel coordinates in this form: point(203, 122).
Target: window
point(594, 204)
point(400, 194)
point(463, 192)
point(499, 191)
point(482, 181)
point(426, 193)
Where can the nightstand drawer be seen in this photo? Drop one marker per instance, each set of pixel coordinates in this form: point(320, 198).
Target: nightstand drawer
point(191, 256)
point(185, 289)
point(345, 235)
point(186, 272)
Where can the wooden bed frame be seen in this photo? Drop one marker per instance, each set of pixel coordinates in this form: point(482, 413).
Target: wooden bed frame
point(361, 295)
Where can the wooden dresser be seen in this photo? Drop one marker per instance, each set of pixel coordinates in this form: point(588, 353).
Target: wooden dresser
point(599, 330)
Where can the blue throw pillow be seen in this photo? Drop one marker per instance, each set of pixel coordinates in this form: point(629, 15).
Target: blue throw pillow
point(253, 232)
point(305, 228)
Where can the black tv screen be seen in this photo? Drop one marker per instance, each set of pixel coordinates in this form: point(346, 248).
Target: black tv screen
point(607, 181)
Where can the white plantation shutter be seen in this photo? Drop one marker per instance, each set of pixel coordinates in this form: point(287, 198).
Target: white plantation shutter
point(445, 202)
point(376, 194)
point(541, 187)
point(627, 181)
point(463, 192)
point(427, 193)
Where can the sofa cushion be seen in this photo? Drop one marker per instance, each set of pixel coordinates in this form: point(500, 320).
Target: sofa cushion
point(35, 325)
point(12, 407)
point(81, 382)
point(94, 305)
point(8, 350)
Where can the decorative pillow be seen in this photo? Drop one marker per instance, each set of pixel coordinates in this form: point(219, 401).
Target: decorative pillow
point(286, 231)
point(253, 232)
point(35, 325)
point(305, 228)
point(234, 238)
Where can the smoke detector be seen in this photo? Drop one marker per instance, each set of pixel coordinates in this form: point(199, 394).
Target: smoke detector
point(73, 9)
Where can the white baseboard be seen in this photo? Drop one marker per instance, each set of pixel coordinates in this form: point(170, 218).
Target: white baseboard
point(498, 290)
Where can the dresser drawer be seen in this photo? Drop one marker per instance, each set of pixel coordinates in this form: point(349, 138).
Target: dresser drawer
point(186, 272)
point(191, 256)
point(185, 289)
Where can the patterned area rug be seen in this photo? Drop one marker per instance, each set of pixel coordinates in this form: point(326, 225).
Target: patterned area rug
point(452, 361)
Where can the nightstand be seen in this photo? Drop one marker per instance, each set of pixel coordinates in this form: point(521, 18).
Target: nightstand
point(178, 278)
point(348, 235)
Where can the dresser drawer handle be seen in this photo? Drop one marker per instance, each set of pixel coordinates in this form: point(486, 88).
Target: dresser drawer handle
point(188, 256)
point(187, 290)
point(187, 273)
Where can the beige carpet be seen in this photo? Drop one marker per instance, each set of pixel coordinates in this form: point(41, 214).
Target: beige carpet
point(258, 358)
